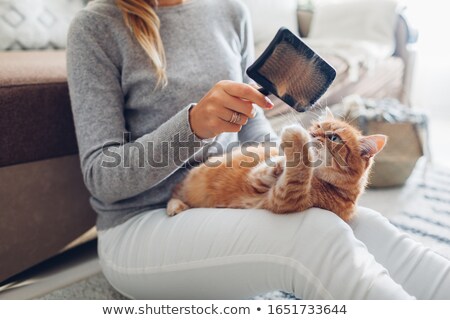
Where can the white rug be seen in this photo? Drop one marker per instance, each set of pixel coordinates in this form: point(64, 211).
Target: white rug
point(426, 211)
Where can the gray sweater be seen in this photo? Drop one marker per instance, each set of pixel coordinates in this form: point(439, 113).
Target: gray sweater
point(135, 141)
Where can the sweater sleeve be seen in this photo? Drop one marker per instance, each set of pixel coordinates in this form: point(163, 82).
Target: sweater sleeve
point(113, 167)
point(258, 128)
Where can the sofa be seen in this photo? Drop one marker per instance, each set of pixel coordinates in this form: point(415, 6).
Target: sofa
point(44, 205)
point(390, 76)
point(43, 202)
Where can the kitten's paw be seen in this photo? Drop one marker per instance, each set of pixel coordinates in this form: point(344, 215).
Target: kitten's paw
point(265, 175)
point(176, 206)
point(296, 135)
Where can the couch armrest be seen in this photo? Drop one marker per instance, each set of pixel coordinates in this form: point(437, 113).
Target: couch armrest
point(406, 37)
point(304, 21)
point(405, 33)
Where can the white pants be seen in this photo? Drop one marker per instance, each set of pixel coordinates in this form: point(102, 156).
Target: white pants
point(240, 253)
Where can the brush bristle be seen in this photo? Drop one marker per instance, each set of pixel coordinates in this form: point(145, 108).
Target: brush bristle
point(295, 74)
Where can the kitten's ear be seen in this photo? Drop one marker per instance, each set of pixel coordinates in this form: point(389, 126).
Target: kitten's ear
point(328, 114)
point(371, 145)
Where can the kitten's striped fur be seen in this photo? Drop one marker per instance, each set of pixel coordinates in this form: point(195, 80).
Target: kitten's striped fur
point(300, 179)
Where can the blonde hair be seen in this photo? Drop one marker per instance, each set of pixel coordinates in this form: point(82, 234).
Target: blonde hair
point(141, 18)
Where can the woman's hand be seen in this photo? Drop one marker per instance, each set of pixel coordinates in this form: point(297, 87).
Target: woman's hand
point(226, 108)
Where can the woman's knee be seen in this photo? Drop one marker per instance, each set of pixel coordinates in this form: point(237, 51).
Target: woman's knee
point(321, 233)
point(367, 213)
point(367, 218)
point(323, 222)
point(330, 252)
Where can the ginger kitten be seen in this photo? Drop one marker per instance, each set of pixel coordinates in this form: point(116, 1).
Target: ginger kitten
point(326, 167)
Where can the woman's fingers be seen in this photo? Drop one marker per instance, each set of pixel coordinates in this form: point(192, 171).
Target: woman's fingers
point(225, 108)
point(232, 116)
point(239, 105)
point(230, 127)
point(247, 92)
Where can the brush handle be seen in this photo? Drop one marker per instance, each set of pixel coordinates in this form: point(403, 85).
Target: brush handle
point(264, 91)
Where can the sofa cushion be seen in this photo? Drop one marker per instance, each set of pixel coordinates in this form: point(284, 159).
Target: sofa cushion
point(385, 79)
point(36, 24)
point(268, 16)
point(372, 23)
point(36, 121)
point(32, 67)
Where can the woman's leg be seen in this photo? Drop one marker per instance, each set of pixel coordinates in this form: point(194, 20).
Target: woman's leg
point(422, 273)
point(235, 253)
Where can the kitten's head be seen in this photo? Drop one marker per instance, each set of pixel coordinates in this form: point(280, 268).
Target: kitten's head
point(344, 154)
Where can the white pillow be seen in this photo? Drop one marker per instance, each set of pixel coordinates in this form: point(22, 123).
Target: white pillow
point(36, 24)
point(371, 21)
point(268, 16)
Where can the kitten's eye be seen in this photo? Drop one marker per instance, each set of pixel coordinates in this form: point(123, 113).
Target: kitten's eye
point(334, 138)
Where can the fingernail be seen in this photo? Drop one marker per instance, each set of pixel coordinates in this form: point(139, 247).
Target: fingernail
point(253, 112)
point(269, 103)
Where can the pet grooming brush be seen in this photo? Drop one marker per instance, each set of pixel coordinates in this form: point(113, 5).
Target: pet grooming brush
point(292, 71)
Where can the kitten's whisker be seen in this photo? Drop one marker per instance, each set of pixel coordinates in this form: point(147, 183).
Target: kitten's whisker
point(286, 116)
point(297, 118)
point(352, 118)
point(340, 115)
point(317, 114)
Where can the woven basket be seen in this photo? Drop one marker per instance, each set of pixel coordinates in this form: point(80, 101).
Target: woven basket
point(406, 130)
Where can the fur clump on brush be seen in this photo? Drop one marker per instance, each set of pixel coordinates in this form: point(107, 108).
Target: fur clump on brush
point(325, 167)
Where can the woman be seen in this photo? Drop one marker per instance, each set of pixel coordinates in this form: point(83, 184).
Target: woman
point(147, 90)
